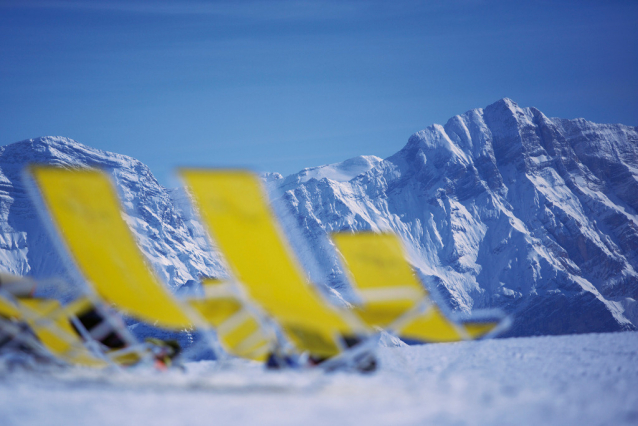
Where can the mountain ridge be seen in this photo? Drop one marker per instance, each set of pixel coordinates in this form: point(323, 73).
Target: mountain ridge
point(465, 194)
point(501, 207)
point(161, 232)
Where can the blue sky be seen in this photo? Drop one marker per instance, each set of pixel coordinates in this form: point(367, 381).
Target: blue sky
point(283, 85)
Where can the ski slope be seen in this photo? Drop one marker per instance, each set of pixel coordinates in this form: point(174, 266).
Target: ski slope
point(575, 379)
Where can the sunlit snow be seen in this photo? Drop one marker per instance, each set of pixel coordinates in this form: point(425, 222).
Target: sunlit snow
point(581, 379)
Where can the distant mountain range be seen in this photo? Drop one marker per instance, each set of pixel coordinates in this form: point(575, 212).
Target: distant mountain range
point(166, 235)
point(500, 207)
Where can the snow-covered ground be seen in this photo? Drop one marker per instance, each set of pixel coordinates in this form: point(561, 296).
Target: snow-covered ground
point(576, 379)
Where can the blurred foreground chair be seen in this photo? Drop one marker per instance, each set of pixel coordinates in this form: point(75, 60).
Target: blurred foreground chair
point(85, 208)
point(394, 298)
point(235, 210)
point(81, 332)
point(234, 207)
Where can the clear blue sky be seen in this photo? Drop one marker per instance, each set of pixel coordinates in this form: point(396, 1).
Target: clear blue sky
point(283, 85)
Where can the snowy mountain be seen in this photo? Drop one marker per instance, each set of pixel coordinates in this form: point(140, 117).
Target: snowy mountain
point(501, 207)
point(173, 244)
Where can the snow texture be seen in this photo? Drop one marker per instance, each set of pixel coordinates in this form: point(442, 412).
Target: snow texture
point(587, 379)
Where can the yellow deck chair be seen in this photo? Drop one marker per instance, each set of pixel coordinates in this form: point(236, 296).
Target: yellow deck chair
point(49, 322)
point(85, 207)
point(233, 206)
point(239, 330)
point(392, 295)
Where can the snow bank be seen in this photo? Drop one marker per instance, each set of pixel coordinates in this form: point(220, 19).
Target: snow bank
point(578, 379)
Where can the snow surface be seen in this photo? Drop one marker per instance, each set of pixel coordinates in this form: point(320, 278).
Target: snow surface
point(587, 379)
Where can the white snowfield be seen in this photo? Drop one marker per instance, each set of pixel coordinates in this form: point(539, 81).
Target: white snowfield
point(589, 379)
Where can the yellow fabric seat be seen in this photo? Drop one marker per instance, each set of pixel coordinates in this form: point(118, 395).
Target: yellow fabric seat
point(49, 321)
point(237, 329)
point(234, 208)
point(86, 211)
point(391, 292)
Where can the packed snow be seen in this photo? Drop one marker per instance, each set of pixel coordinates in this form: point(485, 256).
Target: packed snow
point(589, 379)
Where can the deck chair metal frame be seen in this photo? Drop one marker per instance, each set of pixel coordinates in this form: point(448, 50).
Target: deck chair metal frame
point(422, 305)
point(49, 330)
point(257, 335)
point(19, 334)
point(388, 250)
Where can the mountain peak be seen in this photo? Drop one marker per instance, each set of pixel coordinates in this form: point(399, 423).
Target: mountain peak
point(507, 102)
point(163, 234)
point(59, 150)
point(60, 142)
point(503, 207)
point(500, 207)
point(505, 107)
point(339, 172)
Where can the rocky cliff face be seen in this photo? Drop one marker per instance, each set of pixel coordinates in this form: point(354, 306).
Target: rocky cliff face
point(501, 207)
point(174, 246)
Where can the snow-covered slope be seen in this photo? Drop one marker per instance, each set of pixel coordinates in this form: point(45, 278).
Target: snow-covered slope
point(338, 172)
point(174, 246)
point(551, 380)
point(501, 207)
